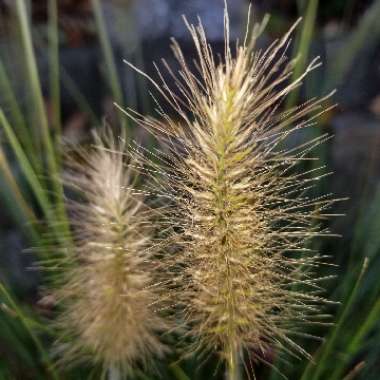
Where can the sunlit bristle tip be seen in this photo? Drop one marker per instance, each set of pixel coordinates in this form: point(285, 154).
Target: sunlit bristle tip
point(242, 213)
point(109, 295)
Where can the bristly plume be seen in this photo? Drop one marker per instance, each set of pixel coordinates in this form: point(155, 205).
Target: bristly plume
point(110, 298)
point(242, 217)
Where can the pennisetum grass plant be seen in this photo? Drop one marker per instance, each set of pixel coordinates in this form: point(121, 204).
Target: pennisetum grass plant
point(109, 294)
point(241, 214)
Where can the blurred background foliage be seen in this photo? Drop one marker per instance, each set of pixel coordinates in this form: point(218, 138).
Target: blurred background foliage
point(61, 70)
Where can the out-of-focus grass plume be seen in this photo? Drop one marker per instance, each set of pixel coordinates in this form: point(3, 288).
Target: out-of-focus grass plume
point(109, 293)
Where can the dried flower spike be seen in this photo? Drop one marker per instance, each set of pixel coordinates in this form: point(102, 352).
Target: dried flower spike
point(109, 295)
point(241, 212)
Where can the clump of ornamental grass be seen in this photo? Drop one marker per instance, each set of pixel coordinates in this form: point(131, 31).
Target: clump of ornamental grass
point(240, 211)
point(109, 295)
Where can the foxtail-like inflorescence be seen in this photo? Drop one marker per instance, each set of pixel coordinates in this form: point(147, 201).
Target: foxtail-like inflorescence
point(110, 295)
point(242, 215)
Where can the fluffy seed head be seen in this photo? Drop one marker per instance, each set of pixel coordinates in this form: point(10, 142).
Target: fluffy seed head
point(109, 296)
point(242, 211)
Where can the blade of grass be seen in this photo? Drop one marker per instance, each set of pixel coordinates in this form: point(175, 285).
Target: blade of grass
point(61, 230)
point(62, 77)
point(12, 334)
point(178, 372)
point(123, 22)
point(326, 349)
point(20, 202)
point(78, 97)
point(16, 114)
point(34, 80)
point(109, 59)
point(368, 29)
point(54, 66)
point(303, 47)
point(26, 167)
point(355, 343)
point(26, 323)
point(36, 94)
point(365, 236)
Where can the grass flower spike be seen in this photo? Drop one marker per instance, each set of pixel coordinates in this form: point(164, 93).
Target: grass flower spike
point(242, 216)
point(109, 297)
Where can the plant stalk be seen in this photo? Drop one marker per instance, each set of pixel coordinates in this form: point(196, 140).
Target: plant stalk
point(114, 373)
point(233, 367)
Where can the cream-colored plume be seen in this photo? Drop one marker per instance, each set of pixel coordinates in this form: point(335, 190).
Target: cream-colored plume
point(109, 296)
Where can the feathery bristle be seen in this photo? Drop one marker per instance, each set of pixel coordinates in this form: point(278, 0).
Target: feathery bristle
point(241, 214)
point(110, 297)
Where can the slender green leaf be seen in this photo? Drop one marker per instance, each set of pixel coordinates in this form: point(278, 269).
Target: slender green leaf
point(20, 202)
point(178, 372)
point(368, 29)
point(34, 82)
point(109, 58)
point(78, 97)
point(303, 47)
point(36, 93)
point(311, 372)
point(26, 167)
point(16, 115)
point(29, 328)
point(356, 342)
point(54, 76)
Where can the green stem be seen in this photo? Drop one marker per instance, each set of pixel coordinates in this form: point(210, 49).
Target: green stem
point(233, 368)
point(114, 373)
point(222, 136)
